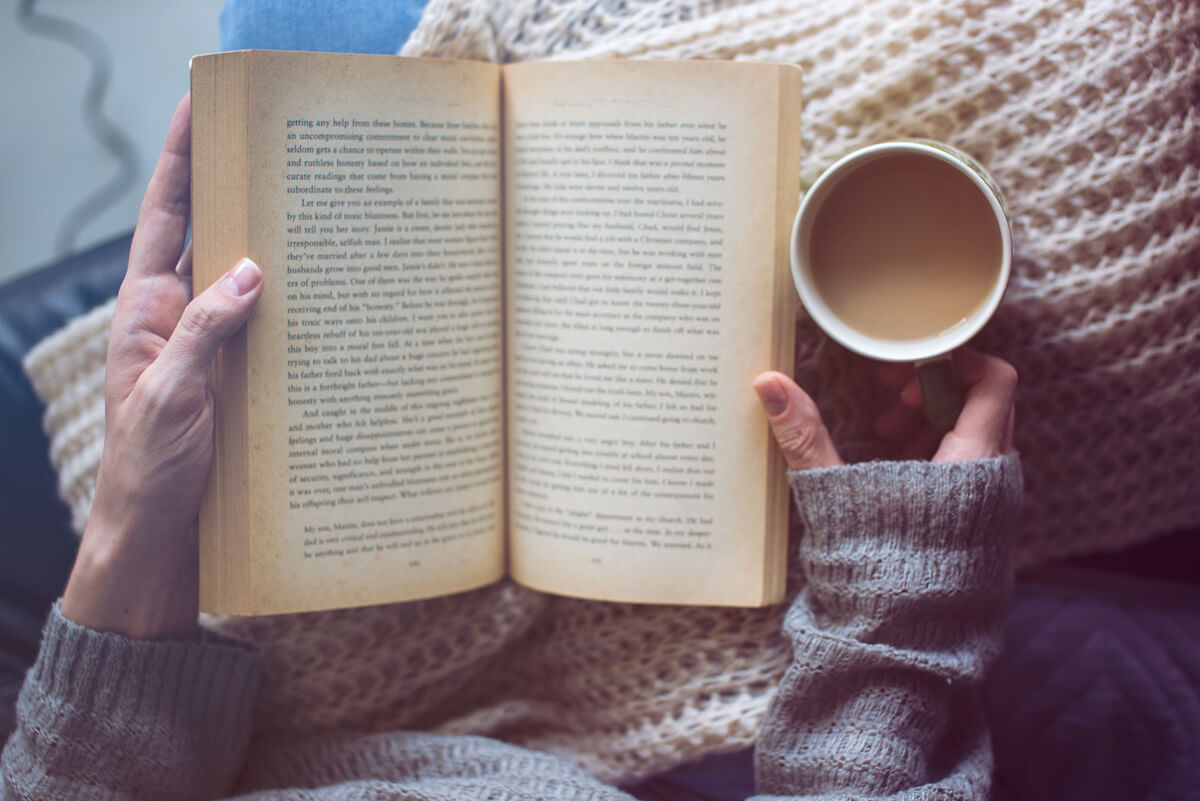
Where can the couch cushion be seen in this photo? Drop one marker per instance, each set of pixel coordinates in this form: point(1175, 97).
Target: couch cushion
point(1097, 693)
point(36, 542)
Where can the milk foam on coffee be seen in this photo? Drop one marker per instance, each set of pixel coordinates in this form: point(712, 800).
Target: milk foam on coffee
point(905, 247)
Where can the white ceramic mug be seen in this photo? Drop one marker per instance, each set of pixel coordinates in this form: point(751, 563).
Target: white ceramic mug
point(943, 400)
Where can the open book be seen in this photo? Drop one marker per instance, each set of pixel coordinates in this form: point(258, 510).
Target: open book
point(509, 325)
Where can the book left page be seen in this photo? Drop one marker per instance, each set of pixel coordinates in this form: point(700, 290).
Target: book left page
point(359, 415)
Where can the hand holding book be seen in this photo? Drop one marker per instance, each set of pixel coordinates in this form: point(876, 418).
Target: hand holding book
point(136, 570)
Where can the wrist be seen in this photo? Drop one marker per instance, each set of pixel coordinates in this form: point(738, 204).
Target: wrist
point(139, 587)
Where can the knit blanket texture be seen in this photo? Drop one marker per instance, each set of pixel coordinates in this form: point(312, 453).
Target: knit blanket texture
point(1087, 114)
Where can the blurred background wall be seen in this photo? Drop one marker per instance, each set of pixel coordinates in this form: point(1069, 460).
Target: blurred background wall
point(49, 162)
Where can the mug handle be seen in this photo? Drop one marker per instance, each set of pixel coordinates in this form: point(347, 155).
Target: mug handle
point(939, 389)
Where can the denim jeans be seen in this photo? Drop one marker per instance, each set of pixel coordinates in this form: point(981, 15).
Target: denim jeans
point(337, 26)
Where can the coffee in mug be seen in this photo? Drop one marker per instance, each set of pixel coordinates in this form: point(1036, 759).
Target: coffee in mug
point(901, 252)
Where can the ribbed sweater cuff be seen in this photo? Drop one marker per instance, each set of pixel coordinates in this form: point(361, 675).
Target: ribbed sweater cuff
point(938, 504)
point(164, 718)
point(908, 545)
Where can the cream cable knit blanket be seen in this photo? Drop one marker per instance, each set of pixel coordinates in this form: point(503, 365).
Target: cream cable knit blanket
point(1085, 113)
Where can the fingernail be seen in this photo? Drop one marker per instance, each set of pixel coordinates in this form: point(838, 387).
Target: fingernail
point(774, 397)
point(910, 393)
point(244, 276)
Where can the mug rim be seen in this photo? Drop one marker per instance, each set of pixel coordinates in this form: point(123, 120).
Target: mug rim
point(884, 349)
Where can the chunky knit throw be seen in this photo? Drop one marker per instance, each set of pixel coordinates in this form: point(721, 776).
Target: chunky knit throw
point(1087, 114)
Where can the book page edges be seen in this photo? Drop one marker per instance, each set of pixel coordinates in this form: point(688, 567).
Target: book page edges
point(221, 230)
point(505, 412)
point(784, 308)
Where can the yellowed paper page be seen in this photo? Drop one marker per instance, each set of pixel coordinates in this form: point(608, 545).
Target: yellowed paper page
point(374, 358)
point(642, 250)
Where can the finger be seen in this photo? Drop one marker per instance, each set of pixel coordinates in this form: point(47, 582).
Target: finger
point(163, 220)
point(981, 430)
point(910, 393)
point(895, 374)
point(796, 423)
point(898, 422)
point(208, 320)
point(184, 268)
point(922, 445)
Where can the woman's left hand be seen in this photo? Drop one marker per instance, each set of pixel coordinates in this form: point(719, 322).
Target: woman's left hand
point(984, 428)
point(136, 572)
point(796, 423)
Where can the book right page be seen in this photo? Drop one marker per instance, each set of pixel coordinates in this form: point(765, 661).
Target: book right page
point(646, 227)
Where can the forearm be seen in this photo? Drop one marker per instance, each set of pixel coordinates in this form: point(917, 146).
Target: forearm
point(907, 575)
point(104, 716)
point(143, 587)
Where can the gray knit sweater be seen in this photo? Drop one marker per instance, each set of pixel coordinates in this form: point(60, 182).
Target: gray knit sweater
point(906, 578)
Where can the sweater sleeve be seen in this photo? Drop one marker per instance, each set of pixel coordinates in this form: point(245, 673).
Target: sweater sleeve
point(101, 716)
point(907, 574)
